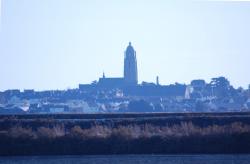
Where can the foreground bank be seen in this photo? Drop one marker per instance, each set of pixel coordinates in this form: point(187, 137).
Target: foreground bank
point(169, 134)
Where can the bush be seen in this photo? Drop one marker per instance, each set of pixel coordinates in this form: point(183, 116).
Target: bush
point(54, 132)
point(129, 132)
point(20, 132)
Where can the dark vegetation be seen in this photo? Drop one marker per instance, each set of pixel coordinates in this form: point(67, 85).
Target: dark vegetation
point(125, 134)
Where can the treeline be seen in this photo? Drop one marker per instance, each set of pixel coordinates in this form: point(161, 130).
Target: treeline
point(185, 137)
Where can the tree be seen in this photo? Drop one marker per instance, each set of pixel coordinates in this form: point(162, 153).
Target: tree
point(220, 82)
point(139, 106)
point(221, 87)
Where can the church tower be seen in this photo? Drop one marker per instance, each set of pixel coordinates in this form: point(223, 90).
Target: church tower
point(130, 66)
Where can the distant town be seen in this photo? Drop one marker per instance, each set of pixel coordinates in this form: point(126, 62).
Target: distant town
point(124, 94)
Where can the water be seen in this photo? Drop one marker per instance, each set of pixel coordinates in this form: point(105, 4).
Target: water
point(130, 159)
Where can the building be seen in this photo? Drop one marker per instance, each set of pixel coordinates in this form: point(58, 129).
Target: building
point(129, 82)
point(130, 66)
point(130, 77)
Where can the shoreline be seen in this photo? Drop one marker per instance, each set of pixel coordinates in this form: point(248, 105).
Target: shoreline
point(166, 135)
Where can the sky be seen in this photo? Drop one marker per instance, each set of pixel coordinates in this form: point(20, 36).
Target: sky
point(57, 44)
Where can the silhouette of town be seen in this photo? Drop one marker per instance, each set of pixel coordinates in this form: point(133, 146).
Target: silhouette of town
point(124, 94)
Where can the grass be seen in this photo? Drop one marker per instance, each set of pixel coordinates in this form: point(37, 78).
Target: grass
point(158, 135)
point(185, 129)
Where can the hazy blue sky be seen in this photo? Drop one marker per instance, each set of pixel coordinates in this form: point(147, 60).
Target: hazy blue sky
point(57, 44)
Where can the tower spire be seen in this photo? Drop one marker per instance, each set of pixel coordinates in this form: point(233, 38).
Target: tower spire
point(103, 74)
point(130, 66)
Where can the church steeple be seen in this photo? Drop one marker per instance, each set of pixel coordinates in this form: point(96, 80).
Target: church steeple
point(130, 66)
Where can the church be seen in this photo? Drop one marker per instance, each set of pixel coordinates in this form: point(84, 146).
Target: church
point(129, 82)
point(130, 76)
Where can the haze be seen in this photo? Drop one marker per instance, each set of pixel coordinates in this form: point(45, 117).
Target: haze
point(57, 44)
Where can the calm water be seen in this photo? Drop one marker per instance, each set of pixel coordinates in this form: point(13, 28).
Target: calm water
point(131, 159)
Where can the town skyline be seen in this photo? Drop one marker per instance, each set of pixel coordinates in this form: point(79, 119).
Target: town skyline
point(67, 43)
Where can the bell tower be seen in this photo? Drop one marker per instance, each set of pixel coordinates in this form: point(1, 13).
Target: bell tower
point(130, 66)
